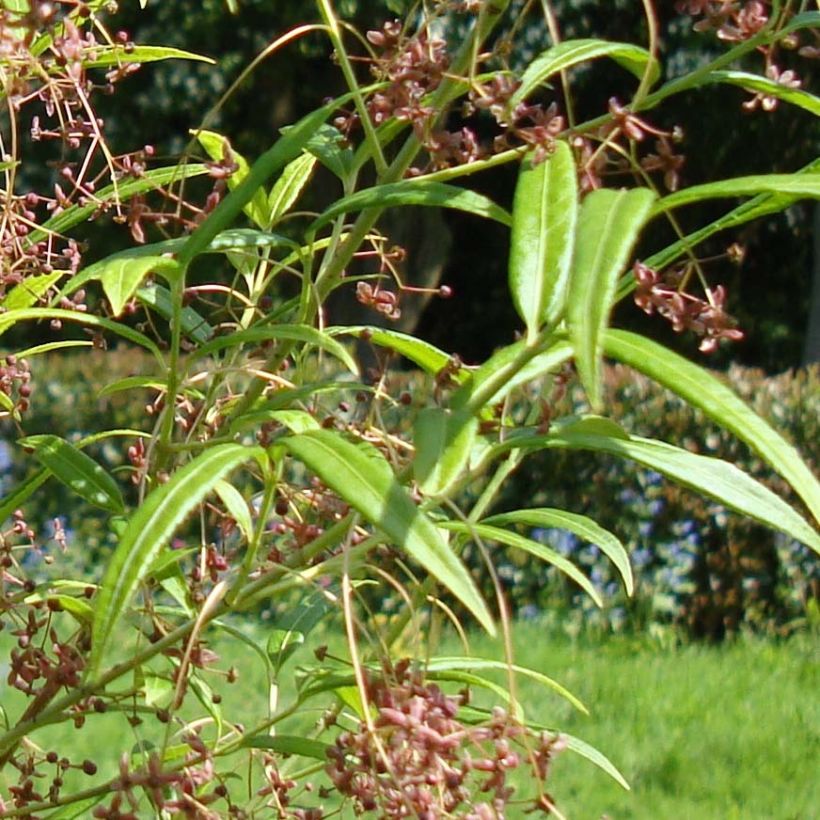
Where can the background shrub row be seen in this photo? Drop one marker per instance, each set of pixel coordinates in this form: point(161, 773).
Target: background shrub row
point(698, 567)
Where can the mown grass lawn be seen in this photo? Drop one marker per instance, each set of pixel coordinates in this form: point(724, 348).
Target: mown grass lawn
point(699, 732)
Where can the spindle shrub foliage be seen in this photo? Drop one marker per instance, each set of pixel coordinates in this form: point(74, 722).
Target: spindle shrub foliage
point(270, 468)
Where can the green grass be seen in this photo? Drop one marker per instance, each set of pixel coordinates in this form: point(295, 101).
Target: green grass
point(700, 732)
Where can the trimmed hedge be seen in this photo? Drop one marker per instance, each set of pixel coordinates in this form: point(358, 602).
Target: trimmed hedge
point(697, 566)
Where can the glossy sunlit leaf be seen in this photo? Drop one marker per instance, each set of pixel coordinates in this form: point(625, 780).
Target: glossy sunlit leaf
point(11, 318)
point(428, 357)
point(218, 149)
point(703, 390)
point(585, 528)
point(443, 440)
point(770, 88)
point(286, 190)
point(706, 475)
point(122, 191)
point(545, 210)
point(236, 506)
point(572, 52)
point(120, 278)
point(296, 333)
point(148, 531)
point(78, 471)
point(287, 147)
point(192, 323)
point(539, 550)
point(608, 226)
point(500, 374)
point(411, 192)
point(364, 479)
point(30, 290)
point(330, 147)
point(440, 664)
point(806, 186)
point(107, 56)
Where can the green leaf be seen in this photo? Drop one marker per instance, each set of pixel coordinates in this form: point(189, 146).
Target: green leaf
point(428, 357)
point(703, 390)
point(11, 318)
point(608, 227)
point(545, 211)
point(123, 190)
point(572, 52)
point(297, 421)
point(412, 192)
point(803, 185)
point(539, 550)
point(289, 186)
point(236, 506)
point(286, 148)
point(193, 324)
point(443, 440)
point(706, 475)
point(590, 753)
point(501, 372)
point(21, 493)
point(289, 745)
point(30, 291)
point(365, 480)
point(131, 383)
point(771, 88)
point(72, 811)
point(148, 531)
point(298, 333)
point(157, 690)
point(107, 56)
point(585, 528)
point(120, 278)
point(219, 148)
point(327, 146)
point(79, 472)
point(440, 664)
point(47, 347)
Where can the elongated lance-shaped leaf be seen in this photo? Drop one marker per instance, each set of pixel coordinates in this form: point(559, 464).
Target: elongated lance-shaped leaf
point(121, 278)
point(443, 440)
point(219, 148)
point(11, 318)
point(106, 56)
point(536, 548)
point(286, 148)
point(148, 531)
point(236, 239)
point(706, 475)
point(806, 185)
point(572, 52)
point(297, 333)
point(364, 479)
point(78, 471)
point(580, 525)
point(501, 372)
point(768, 87)
point(545, 210)
point(29, 291)
point(124, 189)
point(289, 186)
point(327, 146)
point(428, 357)
point(193, 324)
point(703, 390)
point(441, 663)
point(411, 192)
point(607, 229)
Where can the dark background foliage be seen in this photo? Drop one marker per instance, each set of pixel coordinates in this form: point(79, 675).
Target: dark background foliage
point(768, 293)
